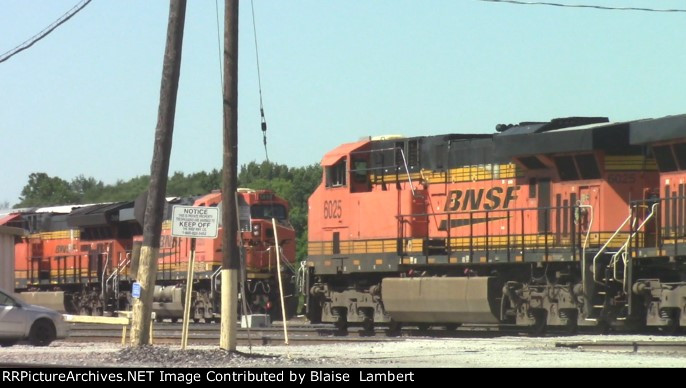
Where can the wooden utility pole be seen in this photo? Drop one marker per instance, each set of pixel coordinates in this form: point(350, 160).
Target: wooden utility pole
point(154, 209)
point(230, 259)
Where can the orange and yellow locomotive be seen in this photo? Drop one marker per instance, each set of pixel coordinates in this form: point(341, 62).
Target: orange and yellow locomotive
point(542, 224)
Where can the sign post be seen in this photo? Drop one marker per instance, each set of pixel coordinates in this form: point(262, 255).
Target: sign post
point(194, 222)
point(278, 272)
point(187, 301)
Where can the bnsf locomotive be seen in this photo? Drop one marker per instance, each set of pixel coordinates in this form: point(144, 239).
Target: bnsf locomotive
point(84, 259)
point(573, 222)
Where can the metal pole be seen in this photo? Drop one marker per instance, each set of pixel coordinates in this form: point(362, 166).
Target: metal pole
point(152, 228)
point(187, 302)
point(230, 259)
point(278, 272)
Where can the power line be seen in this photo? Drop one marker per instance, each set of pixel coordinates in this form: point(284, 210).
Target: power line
point(30, 42)
point(585, 6)
point(259, 83)
point(219, 44)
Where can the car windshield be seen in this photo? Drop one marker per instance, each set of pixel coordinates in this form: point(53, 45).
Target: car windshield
point(6, 300)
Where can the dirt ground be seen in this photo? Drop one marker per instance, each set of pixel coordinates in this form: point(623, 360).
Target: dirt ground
point(501, 352)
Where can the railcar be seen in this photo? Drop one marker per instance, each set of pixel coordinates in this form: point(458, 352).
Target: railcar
point(531, 226)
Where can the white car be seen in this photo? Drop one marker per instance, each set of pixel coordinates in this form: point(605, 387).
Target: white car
point(20, 321)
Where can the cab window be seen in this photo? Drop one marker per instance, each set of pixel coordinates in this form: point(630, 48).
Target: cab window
point(335, 175)
point(267, 212)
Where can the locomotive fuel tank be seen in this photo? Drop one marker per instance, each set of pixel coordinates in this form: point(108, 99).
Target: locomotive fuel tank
point(440, 299)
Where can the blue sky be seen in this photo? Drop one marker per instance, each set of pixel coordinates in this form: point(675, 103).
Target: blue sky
point(84, 99)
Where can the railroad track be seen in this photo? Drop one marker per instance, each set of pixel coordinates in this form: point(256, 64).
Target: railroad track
point(209, 333)
point(626, 346)
point(299, 333)
point(306, 334)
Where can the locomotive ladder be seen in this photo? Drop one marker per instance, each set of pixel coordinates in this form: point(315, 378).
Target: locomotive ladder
point(623, 252)
point(114, 278)
point(604, 247)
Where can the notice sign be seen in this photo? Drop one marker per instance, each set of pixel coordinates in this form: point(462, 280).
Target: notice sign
point(195, 221)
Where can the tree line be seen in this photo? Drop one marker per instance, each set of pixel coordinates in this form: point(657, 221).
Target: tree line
point(295, 184)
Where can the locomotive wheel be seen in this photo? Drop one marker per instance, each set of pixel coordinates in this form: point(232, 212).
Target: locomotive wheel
point(341, 321)
point(313, 310)
point(672, 327)
point(572, 327)
point(540, 317)
point(452, 326)
point(423, 326)
point(603, 327)
point(394, 328)
point(368, 325)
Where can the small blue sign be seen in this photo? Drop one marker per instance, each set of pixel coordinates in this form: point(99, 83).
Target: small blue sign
point(136, 290)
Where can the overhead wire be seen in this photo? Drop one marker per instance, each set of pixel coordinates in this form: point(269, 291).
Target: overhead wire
point(259, 83)
point(219, 45)
point(47, 30)
point(601, 7)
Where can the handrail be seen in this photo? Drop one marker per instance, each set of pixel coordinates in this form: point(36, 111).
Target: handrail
point(119, 268)
point(625, 247)
point(407, 171)
point(104, 270)
point(600, 252)
point(465, 212)
point(284, 260)
point(614, 259)
point(300, 277)
point(114, 278)
point(583, 248)
point(213, 278)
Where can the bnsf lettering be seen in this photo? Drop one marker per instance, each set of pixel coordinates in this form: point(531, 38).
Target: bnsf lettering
point(472, 199)
point(333, 209)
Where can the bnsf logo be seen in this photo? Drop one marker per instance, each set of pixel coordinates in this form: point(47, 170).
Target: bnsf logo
point(333, 209)
point(472, 199)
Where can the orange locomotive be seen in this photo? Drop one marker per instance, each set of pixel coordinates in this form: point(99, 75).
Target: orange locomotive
point(69, 251)
point(531, 226)
point(83, 259)
point(664, 252)
point(255, 210)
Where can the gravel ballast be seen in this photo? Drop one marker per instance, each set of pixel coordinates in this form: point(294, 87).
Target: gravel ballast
point(406, 353)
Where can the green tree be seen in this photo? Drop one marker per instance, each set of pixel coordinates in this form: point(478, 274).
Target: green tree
point(43, 190)
point(87, 189)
